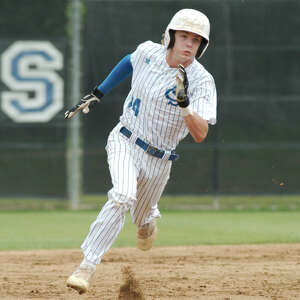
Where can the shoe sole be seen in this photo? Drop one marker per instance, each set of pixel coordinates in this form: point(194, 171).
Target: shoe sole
point(76, 285)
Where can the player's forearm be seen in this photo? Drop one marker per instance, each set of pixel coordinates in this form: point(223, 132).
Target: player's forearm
point(198, 127)
point(121, 71)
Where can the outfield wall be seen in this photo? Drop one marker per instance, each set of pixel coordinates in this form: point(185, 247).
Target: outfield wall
point(253, 56)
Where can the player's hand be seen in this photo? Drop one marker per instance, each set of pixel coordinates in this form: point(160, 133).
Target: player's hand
point(182, 85)
point(84, 104)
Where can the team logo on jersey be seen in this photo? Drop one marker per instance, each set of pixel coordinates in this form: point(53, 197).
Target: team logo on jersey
point(171, 96)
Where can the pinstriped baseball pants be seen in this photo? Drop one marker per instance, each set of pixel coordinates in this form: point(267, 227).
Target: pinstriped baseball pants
point(138, 182)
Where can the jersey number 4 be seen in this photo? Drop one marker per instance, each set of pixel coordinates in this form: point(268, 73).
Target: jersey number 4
point(135, 105)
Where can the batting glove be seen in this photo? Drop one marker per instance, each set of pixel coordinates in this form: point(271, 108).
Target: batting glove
point(85, 103)
point(182, 85)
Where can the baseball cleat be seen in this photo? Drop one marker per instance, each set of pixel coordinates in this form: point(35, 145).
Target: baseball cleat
point(146, 235)
point(80, 278)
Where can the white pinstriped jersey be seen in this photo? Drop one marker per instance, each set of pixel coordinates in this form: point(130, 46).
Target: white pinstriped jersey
point(150, 109)
point(152, 114)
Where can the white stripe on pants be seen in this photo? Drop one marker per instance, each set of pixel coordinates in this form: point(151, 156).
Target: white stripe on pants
point(138, 182)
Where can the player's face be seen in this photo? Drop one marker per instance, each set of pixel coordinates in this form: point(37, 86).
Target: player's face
point(186, 46)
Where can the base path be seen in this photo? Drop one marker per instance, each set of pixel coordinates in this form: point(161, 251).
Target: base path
point(187, 273)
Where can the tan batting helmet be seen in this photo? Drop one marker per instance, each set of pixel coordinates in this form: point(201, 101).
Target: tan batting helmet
point(190, 20)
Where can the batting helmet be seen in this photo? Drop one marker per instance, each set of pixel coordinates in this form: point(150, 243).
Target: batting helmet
point(190, 20)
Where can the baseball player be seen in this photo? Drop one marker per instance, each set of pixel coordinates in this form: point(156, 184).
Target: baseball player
point(171, 95)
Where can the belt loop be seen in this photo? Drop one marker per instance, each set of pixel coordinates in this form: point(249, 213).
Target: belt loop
point(165, 156)
point(132, 138)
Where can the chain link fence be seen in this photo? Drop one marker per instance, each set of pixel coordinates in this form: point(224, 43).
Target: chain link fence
point(253, 56)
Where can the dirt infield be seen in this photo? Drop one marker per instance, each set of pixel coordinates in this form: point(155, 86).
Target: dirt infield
point(202, 272)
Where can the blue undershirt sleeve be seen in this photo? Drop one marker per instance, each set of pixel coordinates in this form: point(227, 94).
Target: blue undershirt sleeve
point(119, 73)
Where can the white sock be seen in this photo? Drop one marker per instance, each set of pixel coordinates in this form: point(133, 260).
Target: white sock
point(88, 262)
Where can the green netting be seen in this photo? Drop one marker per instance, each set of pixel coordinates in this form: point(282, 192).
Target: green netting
point(253, 56)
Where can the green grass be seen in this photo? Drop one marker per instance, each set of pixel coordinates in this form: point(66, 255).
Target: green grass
point(67, 229)
point(244, 202)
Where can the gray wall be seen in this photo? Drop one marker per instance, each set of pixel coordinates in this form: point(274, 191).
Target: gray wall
point(253, 56)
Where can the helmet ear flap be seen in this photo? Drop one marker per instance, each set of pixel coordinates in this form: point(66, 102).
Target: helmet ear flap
point(202, 47)
point(172, 39)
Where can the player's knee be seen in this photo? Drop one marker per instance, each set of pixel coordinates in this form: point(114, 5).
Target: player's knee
point(122, 200)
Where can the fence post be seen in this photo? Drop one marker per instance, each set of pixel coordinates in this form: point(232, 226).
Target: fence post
point(74, 148)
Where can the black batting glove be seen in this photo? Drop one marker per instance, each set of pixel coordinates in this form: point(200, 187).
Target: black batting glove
point(182, 85)
point(85, 103)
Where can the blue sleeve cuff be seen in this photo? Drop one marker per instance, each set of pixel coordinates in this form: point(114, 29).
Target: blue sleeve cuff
point(118, 74)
